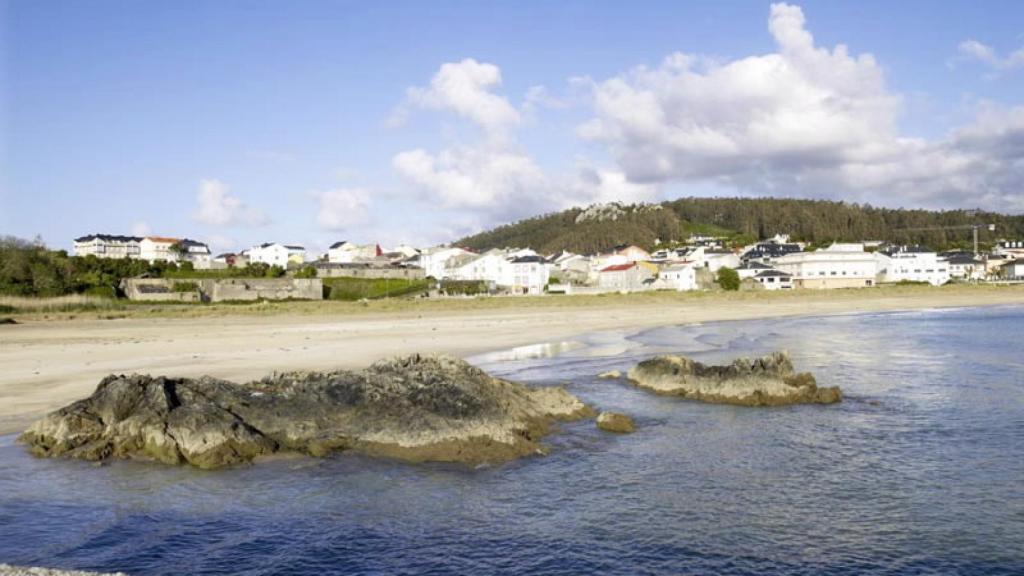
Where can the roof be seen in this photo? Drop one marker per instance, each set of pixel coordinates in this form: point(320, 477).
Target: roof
point(527, 260)
point(163, 239)
point(338, 244)
point(292, 247)
point(677, 267)
point(108, 238)
point(619, 267)
point(962, 259)
point(753, 265)
point(773, 274)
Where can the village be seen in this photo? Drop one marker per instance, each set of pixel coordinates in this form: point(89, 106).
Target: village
point(775, 263)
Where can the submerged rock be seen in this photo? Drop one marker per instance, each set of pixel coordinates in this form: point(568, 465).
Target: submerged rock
point(610, 375)
point(415, 408)
point(766, 381)
point(615, 422)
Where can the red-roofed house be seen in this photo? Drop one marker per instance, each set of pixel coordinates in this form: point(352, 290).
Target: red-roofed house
point(623, 277)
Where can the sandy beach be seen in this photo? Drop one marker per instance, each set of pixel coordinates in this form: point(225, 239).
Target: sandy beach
point(48, 363)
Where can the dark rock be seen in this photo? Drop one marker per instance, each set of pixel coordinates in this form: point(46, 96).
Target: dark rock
point(415, 408)
point(766, 381)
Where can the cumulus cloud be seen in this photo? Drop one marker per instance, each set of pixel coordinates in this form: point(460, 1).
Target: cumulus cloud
point(466, 89)
point(472, 177)
point(341, 208)
point(804, 120)
point(974, 50)
point(218, 207)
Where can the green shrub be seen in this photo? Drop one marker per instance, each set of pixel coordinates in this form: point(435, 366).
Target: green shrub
point(184, 287)
point(463, 287)
point(6, 309)
point(101, 291)
point(728, 278)
point(306, 272)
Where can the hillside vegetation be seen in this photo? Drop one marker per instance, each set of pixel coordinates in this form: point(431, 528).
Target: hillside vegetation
point(743, 220)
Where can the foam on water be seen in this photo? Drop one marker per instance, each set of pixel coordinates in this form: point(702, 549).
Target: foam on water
point(919, 470)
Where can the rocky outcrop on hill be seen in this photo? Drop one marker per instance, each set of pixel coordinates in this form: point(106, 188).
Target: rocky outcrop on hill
point(416, 408)
point(766, 381)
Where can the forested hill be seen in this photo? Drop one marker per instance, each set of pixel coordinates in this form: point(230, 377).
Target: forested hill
point(601, 227)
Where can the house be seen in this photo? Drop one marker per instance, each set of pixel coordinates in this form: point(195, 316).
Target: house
point(912, 264)
point(716, 258)
point(345, 252)
point(159, 248)
point(751, 268)
point(230, 260)
point(769, 250)
point(774, 280)
point(530, 275)
point(434, 261)
point(195, 252)
point(492, 266)
point(678, 276)
point(964, 266)
point(626, 277)
point(275, 254)
point(631, 253)
point(1010, 248)
point(107, 246)
point(838, 266)
point(1014, 270)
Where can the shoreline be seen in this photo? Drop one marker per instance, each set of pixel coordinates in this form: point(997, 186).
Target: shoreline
point(50, 363)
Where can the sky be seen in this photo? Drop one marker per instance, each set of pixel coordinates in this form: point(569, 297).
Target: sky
point(310, 122)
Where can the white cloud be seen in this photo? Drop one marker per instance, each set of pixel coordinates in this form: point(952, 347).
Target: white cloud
point(804, 120)
point(471, 177)
point(465, 88)
point(217, 207)
point(974, 50)
point(341, 208)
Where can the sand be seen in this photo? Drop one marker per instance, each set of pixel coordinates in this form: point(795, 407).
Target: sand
point(47, 364)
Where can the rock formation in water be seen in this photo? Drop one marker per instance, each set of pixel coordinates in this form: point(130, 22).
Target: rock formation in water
point(615, 422)
point(415, 408)
point(8, 570)
point(610, 375)
point(766, 381)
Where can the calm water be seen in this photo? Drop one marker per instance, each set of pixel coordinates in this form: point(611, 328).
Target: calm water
point(919, 471)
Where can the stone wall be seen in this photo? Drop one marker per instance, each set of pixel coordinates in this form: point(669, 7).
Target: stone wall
point(222, 289)
point(326, 270)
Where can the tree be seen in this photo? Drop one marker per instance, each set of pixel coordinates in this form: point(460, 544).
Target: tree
point(728, 278)
point(306, 272)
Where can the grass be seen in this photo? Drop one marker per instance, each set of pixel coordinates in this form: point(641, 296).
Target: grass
point(353, 289)
point(640, 303)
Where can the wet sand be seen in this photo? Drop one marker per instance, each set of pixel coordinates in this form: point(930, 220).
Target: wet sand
point(47, 364)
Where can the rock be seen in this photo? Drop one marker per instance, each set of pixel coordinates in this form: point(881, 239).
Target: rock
point(414, 408)
point(615, 422)
point(766, 381)
point(610, 375)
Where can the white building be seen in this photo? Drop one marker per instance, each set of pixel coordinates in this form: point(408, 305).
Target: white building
point(678, 277)
point(1014, 270)
point(434, 261)
point(912, 264)
point(751, 268)
point(717, 258)
point(197, 253)
point(347, 252)
point(158, 248)
point(530, 275)
point(626, 277)
point(491, 266)
point(965, 266)
point(107, 246)
point(774, 280)
point(838, 266)
point(275, 254)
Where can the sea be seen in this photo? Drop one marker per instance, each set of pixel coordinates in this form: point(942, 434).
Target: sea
point(920, 470)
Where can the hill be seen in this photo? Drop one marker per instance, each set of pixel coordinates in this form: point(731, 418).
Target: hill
point(743, 220)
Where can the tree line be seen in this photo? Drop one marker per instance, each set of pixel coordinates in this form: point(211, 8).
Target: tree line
point(743, 220)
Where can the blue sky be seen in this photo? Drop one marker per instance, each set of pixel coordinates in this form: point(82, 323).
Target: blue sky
point(310, 122)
